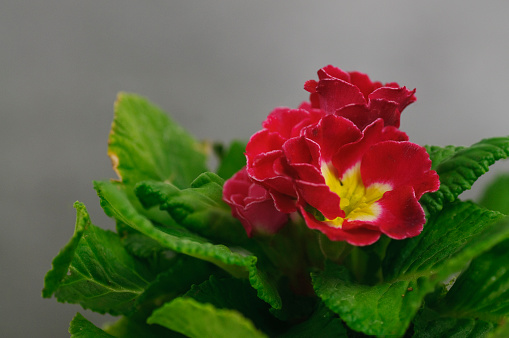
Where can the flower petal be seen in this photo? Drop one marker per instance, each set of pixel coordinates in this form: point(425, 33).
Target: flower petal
point(361, 80)
point(331, 133)
point(402, 96)
point(402, 216)
point(288, 122)
point(335, 94)
point(252, 205)
point(399, 164)
point(355, 236)
point(350, 154)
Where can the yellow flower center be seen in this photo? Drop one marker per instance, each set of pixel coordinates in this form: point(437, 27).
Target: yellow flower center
point(358, 202)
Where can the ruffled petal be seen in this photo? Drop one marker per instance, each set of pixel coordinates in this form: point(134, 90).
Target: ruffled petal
point(402, 216)
point(350, 154)
point(356, 236)
point(399, 164)
point(262, 142)
point(302, 150)
point(335, 94)
point(361, 80)
point(331, 72)
point(284, 203)
point(288, 122)
point(252, 205)
point(331, 133)
point(402, 96)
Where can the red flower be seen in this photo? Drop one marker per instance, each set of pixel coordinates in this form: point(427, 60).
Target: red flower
point(341, 161)
point(351, 184)
point(354, 96)
point(252, 205)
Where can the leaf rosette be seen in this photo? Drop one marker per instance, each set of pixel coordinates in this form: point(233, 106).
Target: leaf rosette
point(330, 223)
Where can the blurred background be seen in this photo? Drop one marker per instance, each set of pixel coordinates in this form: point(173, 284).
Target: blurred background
point(218, 68)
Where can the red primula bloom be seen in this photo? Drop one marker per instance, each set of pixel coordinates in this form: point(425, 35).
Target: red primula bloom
point(351, 184)
point(354, 185)
point(252, 205)
point(342, 161)
point(354, 96)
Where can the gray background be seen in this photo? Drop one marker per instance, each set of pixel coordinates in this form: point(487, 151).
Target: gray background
point(219, 68)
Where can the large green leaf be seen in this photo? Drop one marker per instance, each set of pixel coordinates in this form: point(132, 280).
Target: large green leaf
point(323, 323)
point(199, 208)
point(195, 319)
point(80, 327)
point(412, 269)
point(439, 154)
point(178, 279)
point(236, 261)
point(95, 270)
point(235, 294)
point(383, 309)
point(145, 144)
point(460, 167)
point(496, 195)
point(460, 232)
point(431, 324)
point(482, 290)
point(130, 327)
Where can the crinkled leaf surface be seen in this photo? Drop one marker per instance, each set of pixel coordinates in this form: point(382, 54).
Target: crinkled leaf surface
point(500, 332)
point(199, 208)
point(233, 160)
point(323, 323)
point(439, 154)
point(177, 280)
point(95, 270)
point(496, 195)
point(431, 324)
point(195, 319)
point(237, 261)
point(460, 232)
point(412, 269)
point(141, 245)
point(80, 327)
point(460, 167)
point(145, 144)
point(384, 309)
point(129, 327)
point(482, 290)
point(235, 294)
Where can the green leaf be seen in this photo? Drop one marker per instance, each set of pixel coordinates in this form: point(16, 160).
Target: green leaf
point(412, 269)
point(80, 327)
point(323, 323)
point(233, 160)
point(431, 324)
point(482, 290)
point(141, 245)
point(95, 271)
point(384, 309)
point(200, 208)
point(61, 263)
point(460, 167)
point(496, 195)
point(145, 144)
point(460, 232)
point(500, 332)
point(235, 294)
point(439, 154)
point(236, 261)
point(174, 282)
point(195, 319)
point(129, 327)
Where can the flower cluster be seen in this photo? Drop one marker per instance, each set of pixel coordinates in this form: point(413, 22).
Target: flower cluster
point(339, 160)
